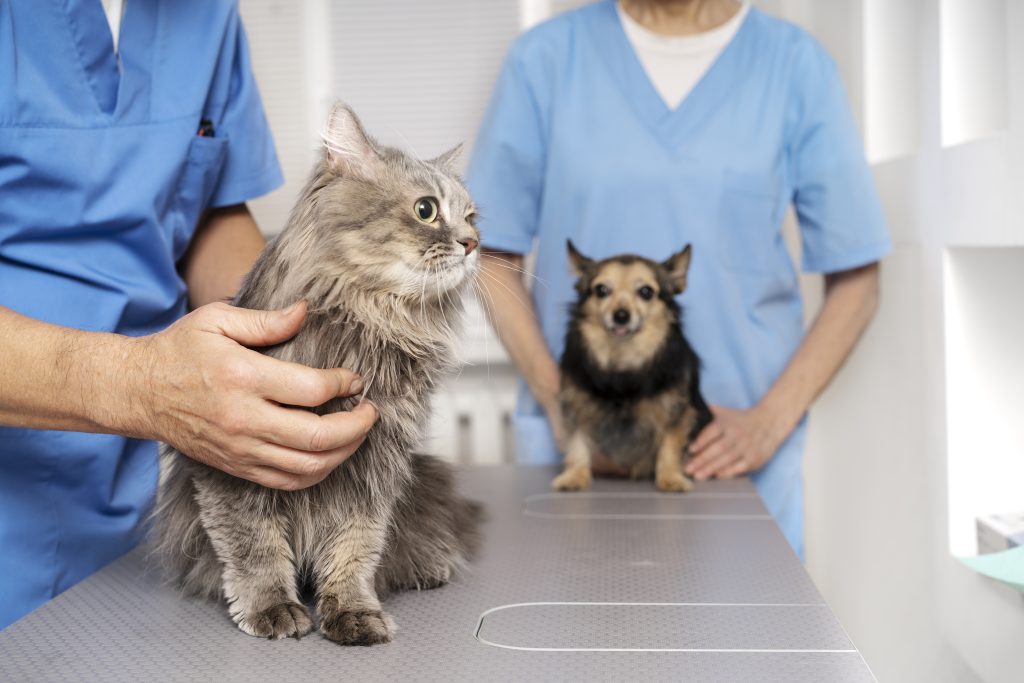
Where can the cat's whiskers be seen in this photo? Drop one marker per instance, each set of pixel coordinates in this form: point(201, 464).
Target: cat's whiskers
point(440, 304)
point(507, 289)
point(487, 302)
point(502, 263)
point(455, 339)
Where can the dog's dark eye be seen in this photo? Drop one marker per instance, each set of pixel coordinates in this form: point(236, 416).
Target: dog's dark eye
point(601, 291)
point(645, 292)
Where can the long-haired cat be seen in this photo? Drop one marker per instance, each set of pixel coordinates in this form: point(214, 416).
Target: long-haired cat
point(380, 245)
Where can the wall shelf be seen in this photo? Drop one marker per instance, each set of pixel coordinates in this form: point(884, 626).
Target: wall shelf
point(984, 386)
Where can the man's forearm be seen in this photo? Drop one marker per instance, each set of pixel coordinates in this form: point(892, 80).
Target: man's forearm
point(851, 298)
point(226, 244)
point(54, 377)
point(50, 378)
point(510, 309)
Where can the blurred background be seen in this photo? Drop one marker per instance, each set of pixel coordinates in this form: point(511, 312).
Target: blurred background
point(923, 430)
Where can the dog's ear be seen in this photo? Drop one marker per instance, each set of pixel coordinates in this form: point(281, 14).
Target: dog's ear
point(580, 265)
point(676, 266)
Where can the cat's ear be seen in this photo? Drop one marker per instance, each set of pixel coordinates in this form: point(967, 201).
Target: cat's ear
point(349, 149)
point(676, 266)
point(450, 159)
point(580, 265)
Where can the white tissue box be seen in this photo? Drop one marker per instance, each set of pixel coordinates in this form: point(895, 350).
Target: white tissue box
point(1000, 532)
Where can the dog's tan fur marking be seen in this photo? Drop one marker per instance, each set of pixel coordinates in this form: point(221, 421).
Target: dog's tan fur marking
point(576, 476)
point(668, 472)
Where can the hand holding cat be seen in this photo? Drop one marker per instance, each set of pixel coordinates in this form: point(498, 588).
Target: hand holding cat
point(737, 442)
point(224, 404)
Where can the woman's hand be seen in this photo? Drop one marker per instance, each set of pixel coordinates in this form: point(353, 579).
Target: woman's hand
point(199, 389)
point(554, 414)
point(735, 443)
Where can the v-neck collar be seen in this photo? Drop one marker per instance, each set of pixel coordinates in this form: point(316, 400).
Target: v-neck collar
point(118, 90)
point(95, 47)
point(624, 64)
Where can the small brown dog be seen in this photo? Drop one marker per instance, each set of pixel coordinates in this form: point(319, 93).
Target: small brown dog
point(630, 381)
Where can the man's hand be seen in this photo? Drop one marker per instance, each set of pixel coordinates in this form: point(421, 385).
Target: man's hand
point(735, 443)
point(223, 404)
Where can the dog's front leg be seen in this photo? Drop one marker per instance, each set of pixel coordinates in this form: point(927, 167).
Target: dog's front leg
point(668, 469)
point(576, 476)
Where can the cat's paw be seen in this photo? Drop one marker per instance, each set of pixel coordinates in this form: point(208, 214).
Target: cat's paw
point(368, 627)
point(674, 482)
point(577, 479)
point(284, 620)
point(430, 583)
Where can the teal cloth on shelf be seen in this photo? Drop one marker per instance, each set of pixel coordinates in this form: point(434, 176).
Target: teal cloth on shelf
point(1006, 566)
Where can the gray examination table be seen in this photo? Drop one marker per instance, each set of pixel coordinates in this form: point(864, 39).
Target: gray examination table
point(621, 583)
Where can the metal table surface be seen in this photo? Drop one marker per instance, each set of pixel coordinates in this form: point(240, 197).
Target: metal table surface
point(620, 583)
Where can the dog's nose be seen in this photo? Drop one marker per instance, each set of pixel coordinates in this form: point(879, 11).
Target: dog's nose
point(621, 316)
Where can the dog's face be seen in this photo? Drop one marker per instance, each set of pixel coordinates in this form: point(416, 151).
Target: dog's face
point(626, 293)
point(623, 296)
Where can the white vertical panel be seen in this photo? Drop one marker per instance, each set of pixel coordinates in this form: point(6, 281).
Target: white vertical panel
point(277, 35)
point(559, 6)
point(420, 73)
point(974, 62)
point(533, 12)
point(892, 77)
point(319, 71)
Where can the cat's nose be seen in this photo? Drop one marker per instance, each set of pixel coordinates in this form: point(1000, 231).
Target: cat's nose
point(469, 243)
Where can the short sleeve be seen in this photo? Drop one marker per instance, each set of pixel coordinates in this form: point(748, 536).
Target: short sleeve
point(250, 168)
point(505, 175)
point(841, 221)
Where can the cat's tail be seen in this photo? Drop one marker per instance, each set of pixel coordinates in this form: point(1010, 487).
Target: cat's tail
point(177, 541)
point(435, 531)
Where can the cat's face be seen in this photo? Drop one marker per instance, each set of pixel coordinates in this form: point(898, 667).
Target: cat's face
point(390, 221)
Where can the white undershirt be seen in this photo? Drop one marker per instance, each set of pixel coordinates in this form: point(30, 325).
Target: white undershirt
point(676, 63)
point(114, 9)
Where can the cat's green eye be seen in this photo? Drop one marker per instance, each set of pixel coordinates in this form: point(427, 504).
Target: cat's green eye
point(426, 209)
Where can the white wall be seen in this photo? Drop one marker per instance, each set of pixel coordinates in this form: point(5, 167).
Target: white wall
point(938, 86)
point(881, 449)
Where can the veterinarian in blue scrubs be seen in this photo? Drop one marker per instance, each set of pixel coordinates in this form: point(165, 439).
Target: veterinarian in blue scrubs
point(578, 143)
point(106, 163)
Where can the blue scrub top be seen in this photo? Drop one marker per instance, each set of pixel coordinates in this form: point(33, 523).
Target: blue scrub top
point(578, 144)
point(102, 180)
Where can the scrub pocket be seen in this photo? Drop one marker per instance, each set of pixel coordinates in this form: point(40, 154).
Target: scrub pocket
point(748, 233)
point(203, 166)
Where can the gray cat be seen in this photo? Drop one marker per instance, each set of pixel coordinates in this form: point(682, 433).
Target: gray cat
point(380, 245)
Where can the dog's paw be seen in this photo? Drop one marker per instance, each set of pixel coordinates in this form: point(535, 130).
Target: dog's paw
point(573, 480)
point(674, 482)
point(368, 627)
point(284, 620)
